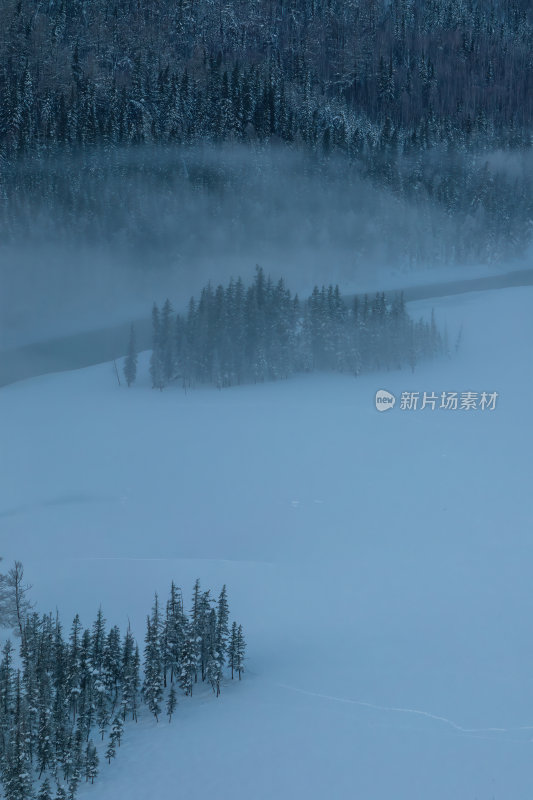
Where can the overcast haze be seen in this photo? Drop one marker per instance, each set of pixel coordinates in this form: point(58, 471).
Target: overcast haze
point(102, 238)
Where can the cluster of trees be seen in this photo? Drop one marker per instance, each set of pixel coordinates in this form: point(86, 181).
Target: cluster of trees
point(64, 703)
point(415, 92)
point(237, 334)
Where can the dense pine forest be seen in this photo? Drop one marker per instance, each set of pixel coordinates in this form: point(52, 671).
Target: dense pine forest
point(430, 99)
point(247, 334)
point(66, 699)
point(136, 71)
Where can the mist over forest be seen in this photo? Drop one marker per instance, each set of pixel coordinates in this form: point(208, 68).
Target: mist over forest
point(148, 147)
point(115, 231)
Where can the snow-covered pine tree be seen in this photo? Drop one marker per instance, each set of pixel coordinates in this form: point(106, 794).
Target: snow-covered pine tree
point(130, 363)
point(16, 767)
point(112, 665)
point(45, 791)
point(136, 682)
point(117, 729)
point(60, 793)
point(103, 713)
point(153, 676)
point(172, 701)
point(195, 626)
point(61, 725)
point(222, 629)
point(156, 365)
point(74, 666)
point(98, 638)
point(30, 681)
point(76, 763)
point(91, 762)
point(59, 654)
point(240, 647)
point(130, 675)
point(7, 697)
point(205, 630)
point(188, 660)
point(167, 343)
point(45, 739)
point(86, 703)
point(173, 633)
point(213, 670)
point(232, 649)
point(100, 682)
point(111, 749)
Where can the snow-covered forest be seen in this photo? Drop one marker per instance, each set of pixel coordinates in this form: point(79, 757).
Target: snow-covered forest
point(110, 111)
point(336, 199)
point(173, 143)
point(67, 696)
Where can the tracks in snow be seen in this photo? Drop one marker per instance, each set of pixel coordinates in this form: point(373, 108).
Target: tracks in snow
point(412, 711)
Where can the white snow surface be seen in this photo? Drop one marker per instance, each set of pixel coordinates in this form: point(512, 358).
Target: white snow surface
point(381, 564)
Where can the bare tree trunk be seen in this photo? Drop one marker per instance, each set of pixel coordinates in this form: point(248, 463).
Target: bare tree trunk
point(21, 603)
point(18, 572)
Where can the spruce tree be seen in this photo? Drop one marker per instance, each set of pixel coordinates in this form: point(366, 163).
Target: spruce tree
point(173, 633)
point(156, 359)
point(91, 762)
point(113, 665)
point(45, 791)
point(188, 660)
point(45, 747)
point(76, 763)
point(130, 675)
point(153, 678)
point(232, 649)
point(98, 638)
point(136, 682)
point(111, 749)
point(196, 625)
point(213, 669)
point(74, 665)
point(103, 715)
point(17, 769)
point(222, 629)
point(61, 724)
point(205, 630)
point(172, 701)
point(240, 648)
point(130, 363)
point(167, 344)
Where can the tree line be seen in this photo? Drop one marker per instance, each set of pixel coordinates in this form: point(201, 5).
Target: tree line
point(136, 71)
point(65, 702)
point(238, 334)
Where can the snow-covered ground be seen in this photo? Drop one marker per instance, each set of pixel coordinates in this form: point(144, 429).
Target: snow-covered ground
point(381, 564)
